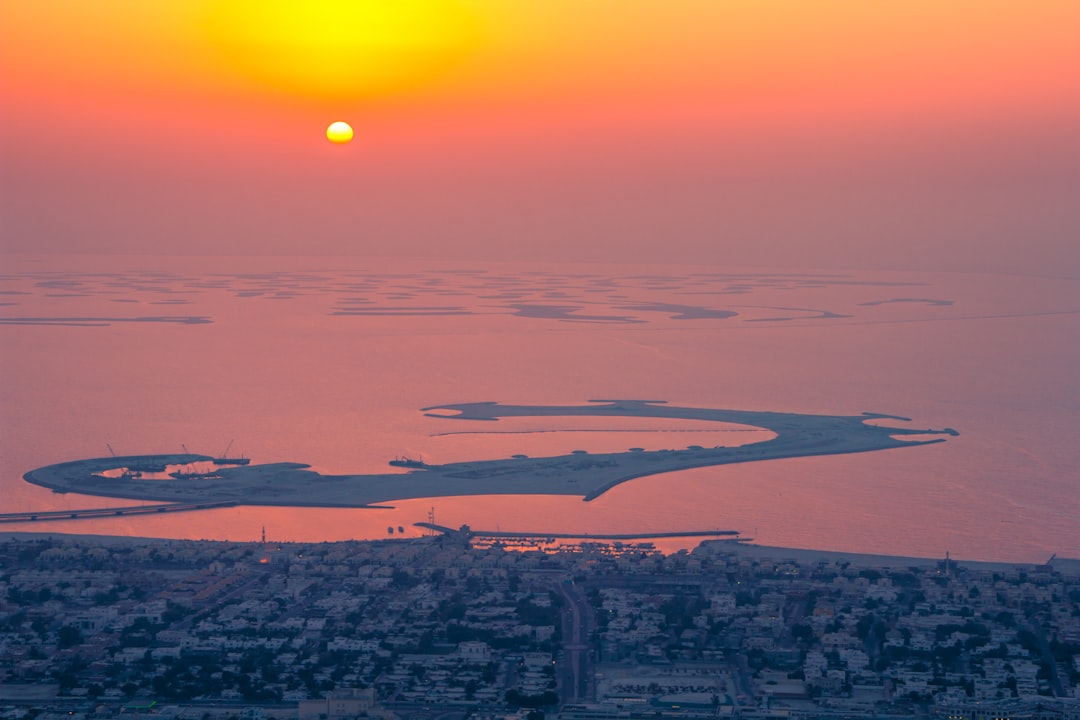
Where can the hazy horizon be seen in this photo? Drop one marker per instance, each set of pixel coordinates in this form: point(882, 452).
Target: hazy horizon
point(907, 137)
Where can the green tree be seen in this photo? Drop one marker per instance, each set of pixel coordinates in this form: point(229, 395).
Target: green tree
point(69, 636)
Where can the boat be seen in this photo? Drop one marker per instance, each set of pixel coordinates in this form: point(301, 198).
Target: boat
point(226, 460)
point(181, 475)
point(408, 462)
point(231, 461)
point(146, 465)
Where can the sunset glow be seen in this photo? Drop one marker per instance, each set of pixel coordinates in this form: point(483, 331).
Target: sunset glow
point(539, 358)
point(340, 48)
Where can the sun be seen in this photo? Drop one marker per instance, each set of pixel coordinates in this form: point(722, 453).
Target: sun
point(341, 49)
point(339, 132)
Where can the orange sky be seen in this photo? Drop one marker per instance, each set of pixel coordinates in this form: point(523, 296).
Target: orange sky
point(903, 134)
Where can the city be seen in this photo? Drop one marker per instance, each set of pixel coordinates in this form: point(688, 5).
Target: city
point(646, 289)
point(446, 626)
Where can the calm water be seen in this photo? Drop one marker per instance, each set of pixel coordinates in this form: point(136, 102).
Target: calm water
point(328, 361)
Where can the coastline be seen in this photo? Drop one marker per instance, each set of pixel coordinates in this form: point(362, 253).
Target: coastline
point(747, 550)
point(803, 555)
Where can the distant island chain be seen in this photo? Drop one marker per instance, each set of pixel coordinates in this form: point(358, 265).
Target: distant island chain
point(169, 478)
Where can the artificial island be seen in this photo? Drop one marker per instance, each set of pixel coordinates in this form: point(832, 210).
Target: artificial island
point(580, 473)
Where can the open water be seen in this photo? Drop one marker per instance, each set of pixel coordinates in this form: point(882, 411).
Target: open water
point(328, 361)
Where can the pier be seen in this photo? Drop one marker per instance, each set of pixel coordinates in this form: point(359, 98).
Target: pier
point(469, 532)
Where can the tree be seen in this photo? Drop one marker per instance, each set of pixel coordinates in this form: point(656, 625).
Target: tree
point(802, 633)
point(403, 580)
point(515, 698)
point(69, 636)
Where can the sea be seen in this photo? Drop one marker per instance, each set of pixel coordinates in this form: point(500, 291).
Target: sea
point(329, 361)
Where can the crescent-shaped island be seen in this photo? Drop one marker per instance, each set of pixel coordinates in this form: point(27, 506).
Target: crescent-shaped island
point(584, 474)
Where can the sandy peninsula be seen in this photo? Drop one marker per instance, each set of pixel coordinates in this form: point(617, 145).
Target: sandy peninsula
point(584, 474)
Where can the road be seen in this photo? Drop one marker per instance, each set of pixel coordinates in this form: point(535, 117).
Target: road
point(90, 513)
point(578, 673)
point(1048, 659)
